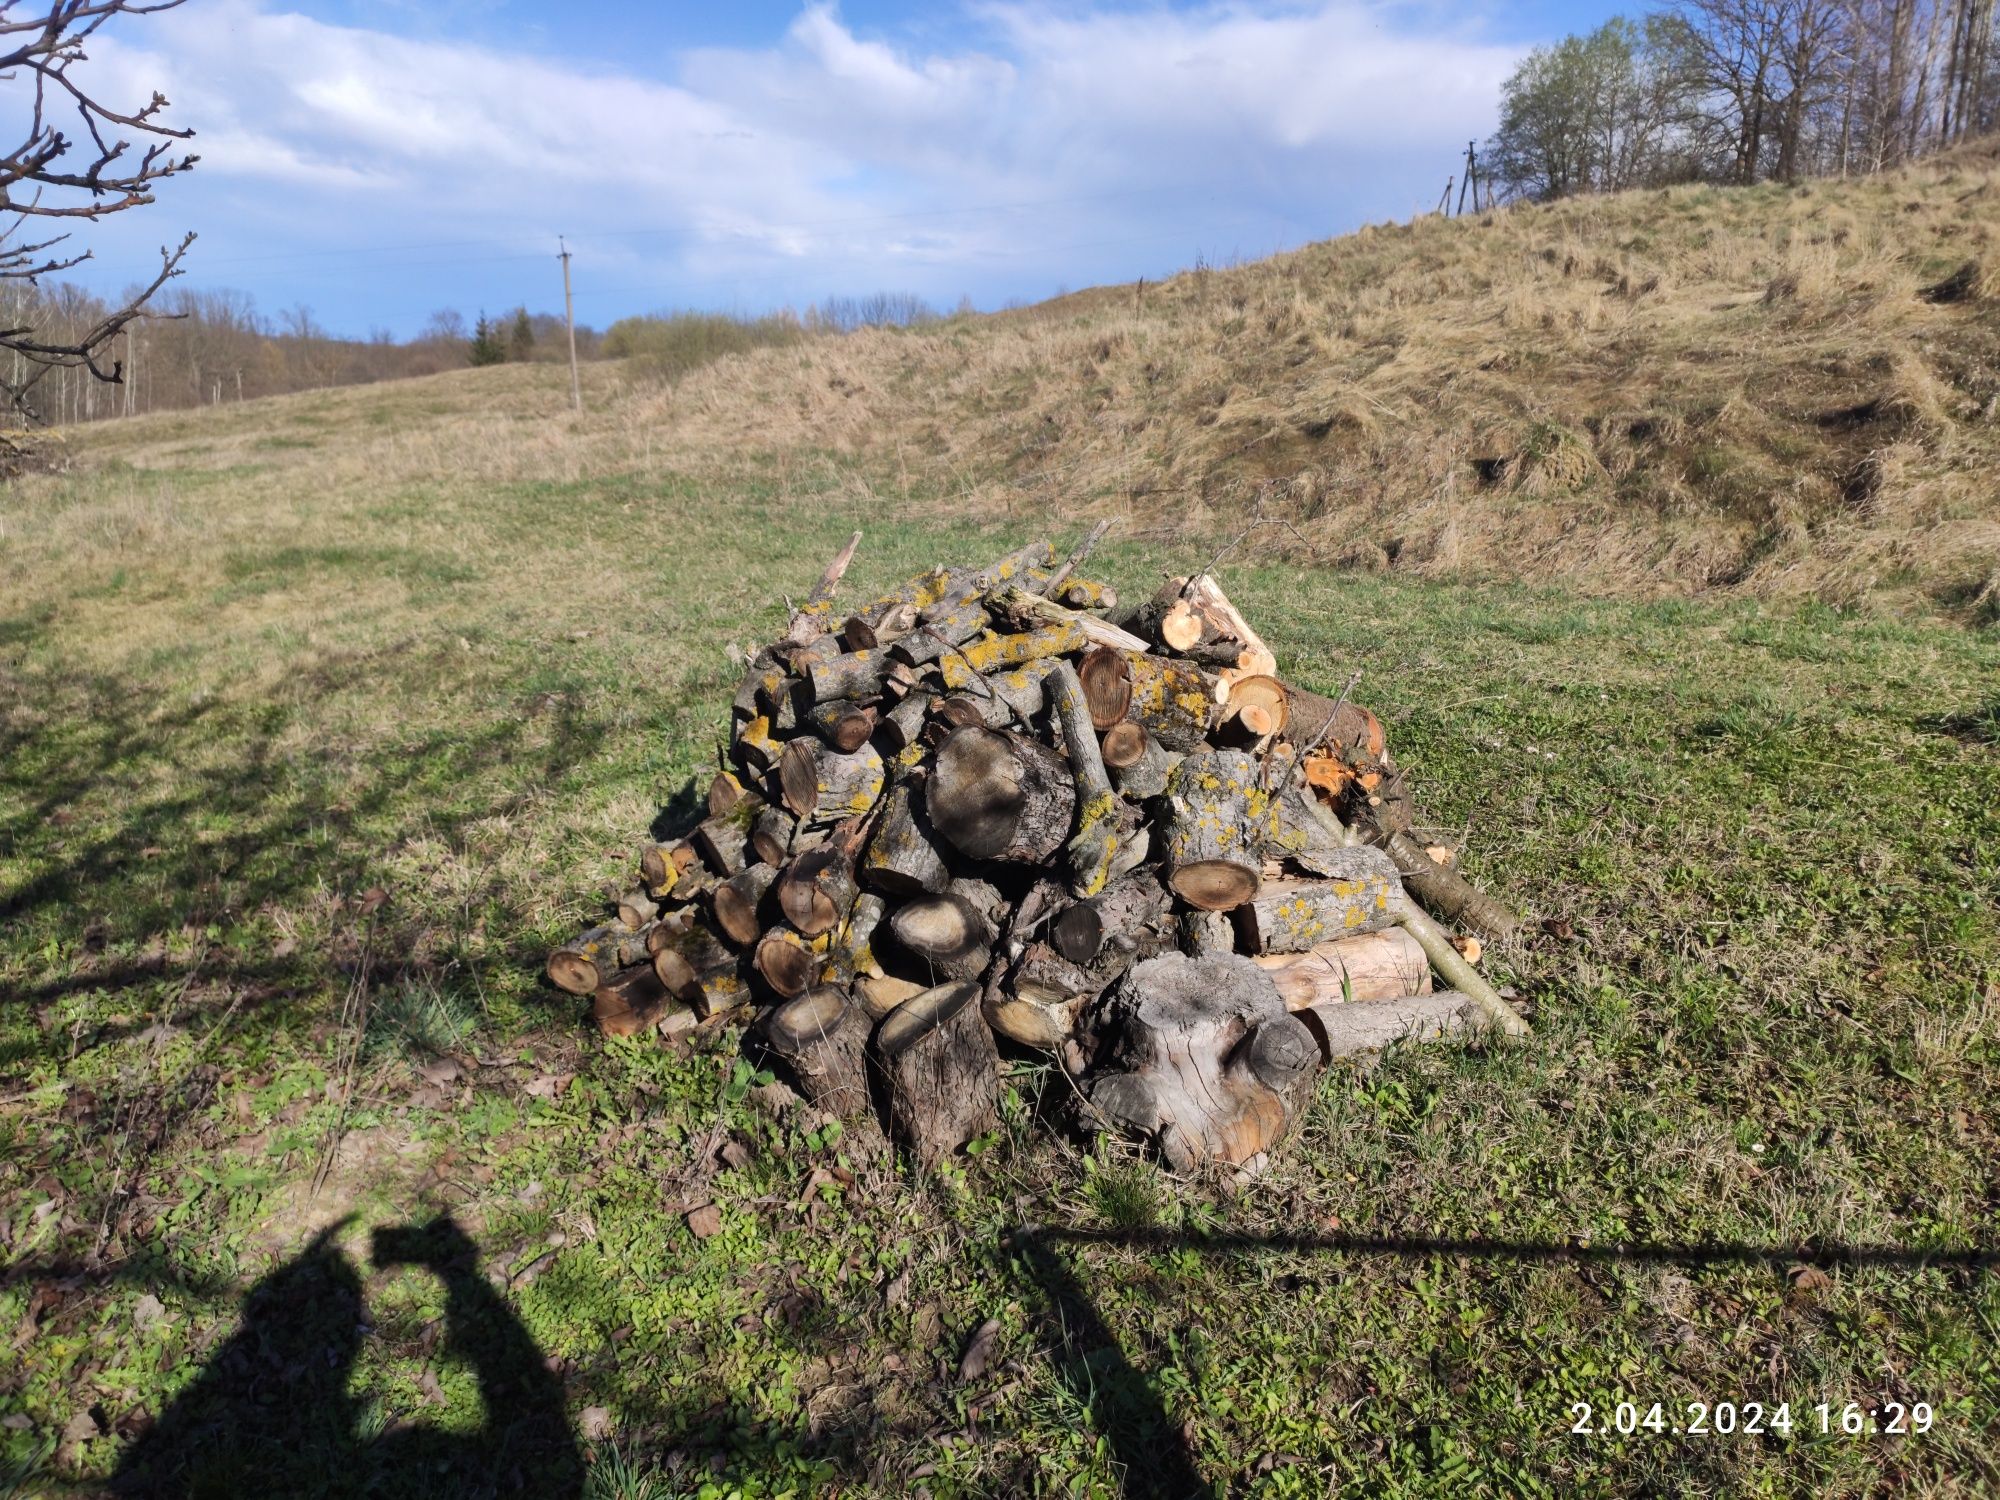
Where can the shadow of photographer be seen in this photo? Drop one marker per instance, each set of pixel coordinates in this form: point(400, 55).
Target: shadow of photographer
point(271, 1413)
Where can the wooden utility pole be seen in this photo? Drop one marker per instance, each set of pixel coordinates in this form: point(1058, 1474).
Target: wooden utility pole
point(1444, 200)
point(569, 317)
point(1471, 177)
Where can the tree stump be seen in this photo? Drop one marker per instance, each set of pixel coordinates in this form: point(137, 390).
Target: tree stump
point(822, 1040)
point(1203, 1061)
point(941, 1071)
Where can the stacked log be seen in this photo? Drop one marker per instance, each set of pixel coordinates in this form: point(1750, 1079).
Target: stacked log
point(988, 810)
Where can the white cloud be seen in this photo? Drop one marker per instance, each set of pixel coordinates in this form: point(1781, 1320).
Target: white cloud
point(1039, 146)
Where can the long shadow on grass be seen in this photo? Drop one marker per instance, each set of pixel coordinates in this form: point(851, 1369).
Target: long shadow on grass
point(135, 815)
point(271, 1413)
point(1155, 1454)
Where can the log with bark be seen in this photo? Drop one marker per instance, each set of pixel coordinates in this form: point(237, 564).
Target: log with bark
point(1385, 965)
point(1218, 821)
point(1291, 916)
point(1000, 796)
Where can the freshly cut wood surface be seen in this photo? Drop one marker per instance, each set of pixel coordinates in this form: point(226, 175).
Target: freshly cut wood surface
point(813, 618)
point(1259, 705)
point(1384, 965)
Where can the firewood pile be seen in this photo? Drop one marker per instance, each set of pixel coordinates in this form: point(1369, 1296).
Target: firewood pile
point(997, 808)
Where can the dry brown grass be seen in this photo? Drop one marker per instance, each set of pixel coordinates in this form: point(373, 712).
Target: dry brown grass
point(1696, 387)
point(1658, 392)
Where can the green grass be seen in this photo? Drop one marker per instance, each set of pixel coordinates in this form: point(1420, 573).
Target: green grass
point(1762, 849)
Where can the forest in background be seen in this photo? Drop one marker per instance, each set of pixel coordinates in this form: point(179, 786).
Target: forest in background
point(1745, 91)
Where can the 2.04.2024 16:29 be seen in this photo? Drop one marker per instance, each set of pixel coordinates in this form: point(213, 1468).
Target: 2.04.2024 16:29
point(1751, 1419)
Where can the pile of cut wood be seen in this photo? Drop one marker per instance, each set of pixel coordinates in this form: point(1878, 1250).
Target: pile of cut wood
point(994, 808)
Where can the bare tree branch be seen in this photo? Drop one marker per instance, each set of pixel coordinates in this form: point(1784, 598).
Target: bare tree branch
point(44, 39)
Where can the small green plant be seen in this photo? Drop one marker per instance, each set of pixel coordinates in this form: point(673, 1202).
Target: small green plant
point(418, 1019)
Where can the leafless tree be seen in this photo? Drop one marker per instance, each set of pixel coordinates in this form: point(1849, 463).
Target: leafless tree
point(53, 175)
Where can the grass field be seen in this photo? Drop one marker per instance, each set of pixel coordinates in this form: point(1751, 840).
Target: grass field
point(320, 719)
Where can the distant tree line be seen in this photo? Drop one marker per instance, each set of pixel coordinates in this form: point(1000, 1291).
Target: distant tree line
point(203, 348)
point(1745, 91)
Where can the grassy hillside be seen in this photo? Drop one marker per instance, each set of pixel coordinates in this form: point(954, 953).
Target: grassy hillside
point(321, 718)
point(1650, 393)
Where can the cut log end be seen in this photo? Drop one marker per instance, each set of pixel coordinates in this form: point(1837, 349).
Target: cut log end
point(1215, 884)
point(1000, 796)
point(786, 962)
point(1124, 745)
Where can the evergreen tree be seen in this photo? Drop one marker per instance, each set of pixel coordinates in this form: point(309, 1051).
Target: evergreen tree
point(486, 346)
point(522, 342)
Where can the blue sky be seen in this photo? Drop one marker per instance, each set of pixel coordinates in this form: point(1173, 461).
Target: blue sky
point(381, 159)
